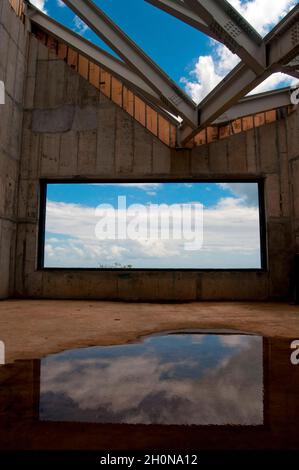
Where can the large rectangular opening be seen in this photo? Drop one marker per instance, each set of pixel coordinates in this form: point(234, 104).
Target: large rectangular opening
point(181, 225)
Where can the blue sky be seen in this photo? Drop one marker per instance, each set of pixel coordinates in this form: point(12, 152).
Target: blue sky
point(189, 57)
point(171, 43)
point(92, 195)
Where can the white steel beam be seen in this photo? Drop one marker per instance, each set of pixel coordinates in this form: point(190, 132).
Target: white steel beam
point(238, 83)
point(258, 103)
point(282, 42)
point(173, 96)
point(248, 106)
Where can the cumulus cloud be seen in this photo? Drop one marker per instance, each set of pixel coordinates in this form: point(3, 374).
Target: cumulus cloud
point(244, 191)
point(141, 186)
point(141, 384)
point(80, 26)
point(231, 236)
point(40, 4)
point(210, 69)
point(263, 14)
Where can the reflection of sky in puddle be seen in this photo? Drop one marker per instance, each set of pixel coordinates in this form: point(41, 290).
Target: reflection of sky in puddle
point(168, 379)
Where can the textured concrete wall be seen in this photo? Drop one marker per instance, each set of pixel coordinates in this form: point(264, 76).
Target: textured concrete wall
point(12, 66)
point(71, 130)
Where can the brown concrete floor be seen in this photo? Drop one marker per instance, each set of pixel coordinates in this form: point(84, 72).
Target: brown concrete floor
point(32, 328)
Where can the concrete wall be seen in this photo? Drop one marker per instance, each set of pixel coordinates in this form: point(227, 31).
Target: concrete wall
point(71, 130)
point(12, 65)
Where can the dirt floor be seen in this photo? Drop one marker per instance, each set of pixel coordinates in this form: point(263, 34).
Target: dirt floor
point(32, 329)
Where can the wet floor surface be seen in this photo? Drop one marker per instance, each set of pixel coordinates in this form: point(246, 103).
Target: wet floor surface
point(177, 391)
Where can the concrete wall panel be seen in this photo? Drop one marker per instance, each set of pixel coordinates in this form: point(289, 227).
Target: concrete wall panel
point(13, 44)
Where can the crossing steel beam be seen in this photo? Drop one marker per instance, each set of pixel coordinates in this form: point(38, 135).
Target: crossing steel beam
point(219, 20)
point(173, 96)
point(282, 43)
point(240, 81)
point(277, 52)
point(282, 46)
point(258, 103)
point(118, 68)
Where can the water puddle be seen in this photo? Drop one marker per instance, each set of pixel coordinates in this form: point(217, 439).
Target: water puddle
point(180, 379)
point(206, 390)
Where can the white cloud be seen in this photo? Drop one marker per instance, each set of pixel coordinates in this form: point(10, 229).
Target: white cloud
point(233, 341)
point(80, 26)
point(142, 186)
point(210, 69)
point(263, 14)
point(40, 4)
point(246, 192)
point(276, 80)
point(231, 238)
point(151, 193)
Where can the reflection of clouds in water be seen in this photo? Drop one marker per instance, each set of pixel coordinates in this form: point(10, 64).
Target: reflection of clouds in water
point(233, 341)
point(197, 339)
point(143, 389)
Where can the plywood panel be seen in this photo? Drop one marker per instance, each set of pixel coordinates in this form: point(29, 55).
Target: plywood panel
point(237, 126)
point(212, 134)
point(164, 130)
point(139, 111)
point(62, 51)
point(152, 120)
point(128, 101)
point(83, 67)
point(52, 44)
point(259, 119)
point(247, 123)
point(270, 116)
point(116, 91)
point(201, 138)
point(105, 83)
point(94, 74)
point(72, 58)
point(172, 142)
point(225, 131)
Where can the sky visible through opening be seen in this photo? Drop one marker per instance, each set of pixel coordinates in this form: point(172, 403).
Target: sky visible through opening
point(189, 57)
point(224, 231)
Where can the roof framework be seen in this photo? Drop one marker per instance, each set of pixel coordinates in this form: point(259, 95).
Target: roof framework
point(172, 95)
point(260, 57)
point(88, 49)
point(274, 53)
